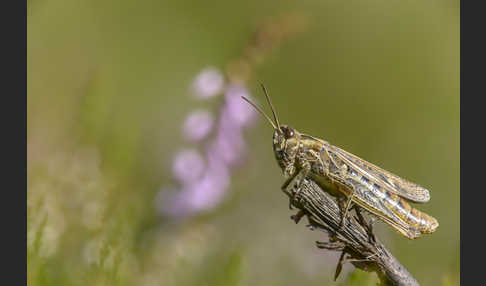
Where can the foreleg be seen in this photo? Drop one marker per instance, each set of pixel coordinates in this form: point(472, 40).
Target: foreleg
point(292, 184)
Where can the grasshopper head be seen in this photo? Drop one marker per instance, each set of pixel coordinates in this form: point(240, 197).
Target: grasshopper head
point(285, 138)
point(285, 145)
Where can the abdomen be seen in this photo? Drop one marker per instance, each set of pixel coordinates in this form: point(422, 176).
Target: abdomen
point(419, 220)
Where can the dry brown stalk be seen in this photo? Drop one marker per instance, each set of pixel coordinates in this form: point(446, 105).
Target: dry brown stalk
point(355, 239)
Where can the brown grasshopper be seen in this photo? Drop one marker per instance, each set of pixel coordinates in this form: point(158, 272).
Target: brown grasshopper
point(339, 172)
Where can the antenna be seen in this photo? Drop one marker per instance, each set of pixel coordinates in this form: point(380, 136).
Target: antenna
point(259, 110)
point(271, 106)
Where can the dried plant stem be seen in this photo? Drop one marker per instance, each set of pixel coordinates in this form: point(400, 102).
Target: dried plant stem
point(355, 239)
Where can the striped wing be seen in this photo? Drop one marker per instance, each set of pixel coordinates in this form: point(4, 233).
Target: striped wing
point(392, 182)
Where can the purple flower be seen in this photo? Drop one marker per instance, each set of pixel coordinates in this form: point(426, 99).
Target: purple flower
point(241, 112)
point(209, 191)
point(229, 144)
point(188, 166)
point(198, 125)
point(209, 82)
point(197, 196)
point(205, 178)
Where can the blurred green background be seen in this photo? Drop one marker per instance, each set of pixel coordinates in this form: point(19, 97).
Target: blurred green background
point(108, 91)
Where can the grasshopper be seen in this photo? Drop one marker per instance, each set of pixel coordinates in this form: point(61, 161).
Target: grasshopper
point(341, 173)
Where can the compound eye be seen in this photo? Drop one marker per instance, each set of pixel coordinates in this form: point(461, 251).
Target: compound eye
point(288, 133)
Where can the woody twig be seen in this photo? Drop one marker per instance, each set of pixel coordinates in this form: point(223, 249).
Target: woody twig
point(354, 239)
